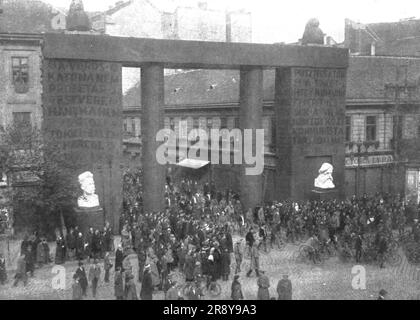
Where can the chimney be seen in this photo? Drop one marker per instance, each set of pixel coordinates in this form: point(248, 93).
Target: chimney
point(373, 48)
point(228, 27)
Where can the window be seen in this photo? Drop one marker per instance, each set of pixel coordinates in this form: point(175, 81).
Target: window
point(397, 127)
point(371, 128)
point(348, 128)
point(20, 71)
point(22, 119)
point(125, 125)
point(237, 124)
point(223, 123)
point(133, 126)
point(273, 132)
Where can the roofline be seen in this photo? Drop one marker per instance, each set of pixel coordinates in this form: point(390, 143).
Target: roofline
point(386, 57)
point(270, 103)
point(32, 38)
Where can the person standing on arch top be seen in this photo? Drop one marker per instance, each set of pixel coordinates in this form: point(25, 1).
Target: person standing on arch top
point(313, 33)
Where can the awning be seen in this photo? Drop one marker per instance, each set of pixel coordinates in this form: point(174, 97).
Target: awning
point(193, 163)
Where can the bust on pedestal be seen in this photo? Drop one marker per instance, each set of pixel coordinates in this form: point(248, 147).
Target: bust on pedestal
point(324, 185)
point(88, 211)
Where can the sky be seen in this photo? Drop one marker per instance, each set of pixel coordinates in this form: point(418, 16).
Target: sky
point(284, 20)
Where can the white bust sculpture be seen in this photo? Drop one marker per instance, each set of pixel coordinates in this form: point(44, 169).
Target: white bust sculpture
point(89, 199)
point(325, 179)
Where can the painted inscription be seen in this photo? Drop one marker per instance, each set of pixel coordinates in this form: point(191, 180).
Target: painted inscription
point(318, 112)
point(83, 108)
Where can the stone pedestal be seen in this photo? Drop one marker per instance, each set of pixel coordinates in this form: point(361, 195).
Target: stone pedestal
point(90, 217)
point(324, 195)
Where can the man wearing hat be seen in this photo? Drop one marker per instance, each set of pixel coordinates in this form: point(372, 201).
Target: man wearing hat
point(146, 292)
point(81, 275)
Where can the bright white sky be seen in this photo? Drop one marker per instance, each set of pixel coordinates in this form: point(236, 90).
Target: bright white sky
point(284, 20)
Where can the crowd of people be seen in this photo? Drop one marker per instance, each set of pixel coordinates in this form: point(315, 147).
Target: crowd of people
point(194, 236)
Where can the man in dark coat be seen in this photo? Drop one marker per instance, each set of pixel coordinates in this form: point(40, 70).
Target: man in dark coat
point(284, 288)
point(146, 292)
point(119, 258)
point(77, 289)
point(60, 251)
point(225, 263)
point(118, 284)
point(81, 275)
point(96, 245)
point(71, 244)
point(80, 246)
point(26, 243)
point(249, 238)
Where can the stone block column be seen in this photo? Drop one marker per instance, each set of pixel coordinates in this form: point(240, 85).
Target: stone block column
point(251, 104)
point(152, 98)
point(310, 108)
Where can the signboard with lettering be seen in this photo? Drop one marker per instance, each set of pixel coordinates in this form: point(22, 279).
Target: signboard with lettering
point(317, 116)
point(369, 161)
point(82, 108)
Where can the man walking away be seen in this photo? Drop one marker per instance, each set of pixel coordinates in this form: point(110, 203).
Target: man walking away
point(118, 284)
point(81, 275)
point(77, 289)
point(146, 292)
point(94, 275)
point(255, 260)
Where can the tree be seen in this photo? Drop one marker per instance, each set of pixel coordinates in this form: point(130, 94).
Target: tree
point(43, 180)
